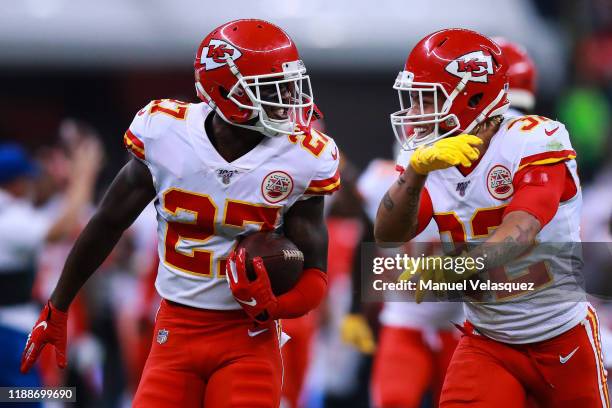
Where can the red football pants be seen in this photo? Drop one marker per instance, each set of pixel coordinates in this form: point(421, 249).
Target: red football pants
point(406, 367)
point(565, 371)
point(212, 359)
point(296, 356)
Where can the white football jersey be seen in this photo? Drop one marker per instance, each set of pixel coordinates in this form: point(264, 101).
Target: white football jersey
point(469, 208)
point(204, 204)
point(372, 185)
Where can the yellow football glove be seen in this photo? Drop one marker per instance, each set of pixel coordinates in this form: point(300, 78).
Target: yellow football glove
point(356, 332)
point(432, 269)
point(447, 152)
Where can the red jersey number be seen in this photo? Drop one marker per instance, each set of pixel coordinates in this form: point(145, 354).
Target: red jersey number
point(184, 239)
point(482, 224)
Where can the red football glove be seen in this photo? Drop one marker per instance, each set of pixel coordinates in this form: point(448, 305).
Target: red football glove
point(255, 297)
point(51, 328)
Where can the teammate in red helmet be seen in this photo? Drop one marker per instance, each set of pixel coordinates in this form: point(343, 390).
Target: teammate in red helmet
point(243, 160)
point(495, 185)
point(522, 75)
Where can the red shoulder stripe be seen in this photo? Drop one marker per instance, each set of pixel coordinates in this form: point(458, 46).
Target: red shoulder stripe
point(323, 191)
point(134, 145)
point(326, 182)
point(547, 157)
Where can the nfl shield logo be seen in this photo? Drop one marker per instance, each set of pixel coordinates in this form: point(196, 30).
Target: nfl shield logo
point(162, 336)
point(226, 175)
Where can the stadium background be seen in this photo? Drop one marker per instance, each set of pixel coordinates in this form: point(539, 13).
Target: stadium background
point(100, 62)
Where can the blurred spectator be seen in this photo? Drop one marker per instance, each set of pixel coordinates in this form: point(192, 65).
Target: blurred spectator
point(594, 58)
point(23, 232)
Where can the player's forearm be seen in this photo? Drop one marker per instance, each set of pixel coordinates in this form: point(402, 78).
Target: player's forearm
point(305, 296)
point(91, 249)
point(511, 239)
point(396, 219)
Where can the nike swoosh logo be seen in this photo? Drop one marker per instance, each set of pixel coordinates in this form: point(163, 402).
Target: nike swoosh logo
point(251, 302)
point(256, 332)
point(42, 324)
point(564, 360)
point(551, 132)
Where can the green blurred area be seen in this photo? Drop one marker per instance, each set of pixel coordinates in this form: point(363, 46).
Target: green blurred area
point(586, 113)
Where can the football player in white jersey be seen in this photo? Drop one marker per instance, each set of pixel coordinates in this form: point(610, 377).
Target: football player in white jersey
point(243, 160)
point(487, 179)
point(418, 340)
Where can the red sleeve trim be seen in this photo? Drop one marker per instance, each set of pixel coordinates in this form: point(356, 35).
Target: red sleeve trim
point(538, 191)
point(323, 183)
point(326, 186)
point(134, 144)
point(547, 158)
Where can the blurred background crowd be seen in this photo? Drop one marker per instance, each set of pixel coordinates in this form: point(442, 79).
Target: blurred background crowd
point(73, 75)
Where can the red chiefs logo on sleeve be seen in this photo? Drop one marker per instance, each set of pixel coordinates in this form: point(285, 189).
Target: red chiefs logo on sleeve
point(476, 63)
point(216, 53)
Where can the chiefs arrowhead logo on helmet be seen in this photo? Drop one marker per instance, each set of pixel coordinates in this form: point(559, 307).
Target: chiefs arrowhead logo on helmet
point(476, 63)
point(215, 54)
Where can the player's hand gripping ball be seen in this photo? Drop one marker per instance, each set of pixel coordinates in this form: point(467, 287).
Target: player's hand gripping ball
point(255, 296)
point(263, 265)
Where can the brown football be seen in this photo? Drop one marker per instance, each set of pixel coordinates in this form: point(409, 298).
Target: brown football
point(282, 259)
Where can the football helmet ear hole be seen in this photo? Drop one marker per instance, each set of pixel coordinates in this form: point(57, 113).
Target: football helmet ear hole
point(475, 100)
point(224, 92)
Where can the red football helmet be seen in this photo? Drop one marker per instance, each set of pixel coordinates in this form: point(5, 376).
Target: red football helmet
point(453, 80)
point(521, 74)
point(248, 69)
